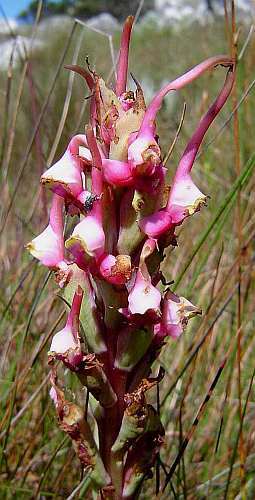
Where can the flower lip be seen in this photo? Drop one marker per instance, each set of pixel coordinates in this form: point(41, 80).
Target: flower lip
point(143, 296)
point(46, 248)
point(63, 341)
point(64, 177)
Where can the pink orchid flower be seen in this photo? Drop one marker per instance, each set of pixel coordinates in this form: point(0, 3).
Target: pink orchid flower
point(176, 311)
point(185, 198)
point(88, 239)
point(65, 344)
point(65, 176)
point(144, 296)
point(48, 247)
point(144, 152)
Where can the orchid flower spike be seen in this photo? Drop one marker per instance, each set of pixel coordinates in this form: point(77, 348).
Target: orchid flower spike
point(176, 311)
point(185, 198)
point(113, 179)
point(48, 247)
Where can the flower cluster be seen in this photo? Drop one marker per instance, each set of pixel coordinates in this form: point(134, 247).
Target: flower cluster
point(111, 182)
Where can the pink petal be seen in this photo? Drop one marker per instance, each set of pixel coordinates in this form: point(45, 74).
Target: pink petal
point(117, 173)
point(65, 344)
point(64, 177)
point(180, 82)
point(186, 195)
point(87, 238)
point(63, 340)
point(185, 198)
point(175, 315)
point(156, 224)
point(143, 296)
point(48, 247)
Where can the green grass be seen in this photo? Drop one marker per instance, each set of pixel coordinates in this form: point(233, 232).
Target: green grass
point(34, 458)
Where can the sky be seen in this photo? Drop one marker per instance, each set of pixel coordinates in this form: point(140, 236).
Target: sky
point(13, 7)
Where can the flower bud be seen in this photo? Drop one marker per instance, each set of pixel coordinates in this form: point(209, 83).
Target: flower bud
point(116, 270)
point(144, 155)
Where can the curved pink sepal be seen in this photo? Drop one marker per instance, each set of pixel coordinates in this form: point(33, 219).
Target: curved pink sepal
point(48, 247)
point(65, 344)
point(64, 177)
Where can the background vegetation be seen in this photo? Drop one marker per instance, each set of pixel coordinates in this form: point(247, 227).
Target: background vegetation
point(85, 8)
point(213, 265)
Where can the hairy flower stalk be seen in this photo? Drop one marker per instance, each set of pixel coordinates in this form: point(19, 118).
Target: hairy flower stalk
point(122, 217)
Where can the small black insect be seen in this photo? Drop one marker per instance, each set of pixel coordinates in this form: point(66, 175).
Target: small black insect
point(89, 202)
